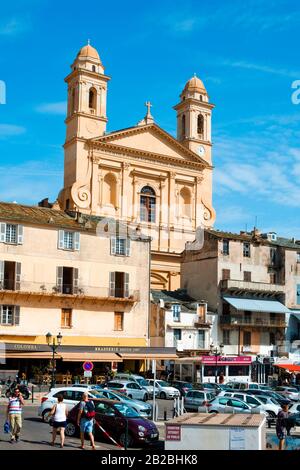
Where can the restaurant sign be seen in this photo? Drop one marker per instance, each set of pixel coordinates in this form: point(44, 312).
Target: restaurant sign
point(226, 360)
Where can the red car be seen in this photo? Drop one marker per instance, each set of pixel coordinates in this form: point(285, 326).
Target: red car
point(112, 416)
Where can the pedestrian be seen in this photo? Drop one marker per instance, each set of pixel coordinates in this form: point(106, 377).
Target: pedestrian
point(85, 419)
point(14, 415)
point(59, 413)
point(281, 425)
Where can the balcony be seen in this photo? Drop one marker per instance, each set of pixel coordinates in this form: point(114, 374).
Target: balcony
point(201, 322)
point(238, 321)
point(240, 287)
point(75, 294)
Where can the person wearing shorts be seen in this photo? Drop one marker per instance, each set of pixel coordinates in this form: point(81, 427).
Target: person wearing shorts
point(281, 425)
point(59, 413)
point(86, 425)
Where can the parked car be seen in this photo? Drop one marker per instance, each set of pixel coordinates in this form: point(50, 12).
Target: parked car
point(165, 390)
point(288, 392)
point(270, 393)
point(131, 389)
point(294, 408)
point(114, 416)
point(72, 395)
point(229, 405)
point(267, 404)
point(195, 398)
point(245, 386)
point(142, 408)
point(183, 387)
point(138, 379)
point(210, 386)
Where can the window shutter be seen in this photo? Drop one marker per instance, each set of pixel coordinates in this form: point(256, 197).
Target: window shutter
point(61, 242)
point(18, 277)
point(1, 275)
point(298, 294)
point(126, 285)
point(113, 245)
point(128, 247)
point(112, 284)
point(77, 241)
point(2, 232)
point(75, 281)
point(59, 278)
point(16, 320)
point(20, 235)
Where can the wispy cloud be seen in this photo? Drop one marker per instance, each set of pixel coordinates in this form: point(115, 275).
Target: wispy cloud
point(58, 107)
point(262, 68)
point(14, 26)
point(9, 130)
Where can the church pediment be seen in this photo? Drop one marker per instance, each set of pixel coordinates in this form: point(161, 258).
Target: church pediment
point(150, 138)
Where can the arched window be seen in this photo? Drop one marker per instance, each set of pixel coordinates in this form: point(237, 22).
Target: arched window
point(148, 203)
point(92, 98)
point(185, 202)
point(110, 190)
point(94, 68)
point(183, 126)
point(200, 124)
point(72, 104)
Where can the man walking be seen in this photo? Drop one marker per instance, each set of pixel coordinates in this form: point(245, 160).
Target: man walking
point(14, 415)
point(85, 419)
point(282, 425)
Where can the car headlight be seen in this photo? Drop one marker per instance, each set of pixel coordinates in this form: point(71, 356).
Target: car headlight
point(141, 434)
point(141, 428)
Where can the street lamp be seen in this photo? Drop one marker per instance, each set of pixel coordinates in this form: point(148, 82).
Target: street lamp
point(53, 345)
point(216, 352)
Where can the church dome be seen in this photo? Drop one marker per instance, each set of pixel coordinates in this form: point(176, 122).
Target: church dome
point(195, 85)
point(88, 51)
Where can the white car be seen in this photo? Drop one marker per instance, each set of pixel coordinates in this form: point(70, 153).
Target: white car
point(72, 395)
point(267, 404)
point(223, 404)
point(165, 390)
point(138, 379)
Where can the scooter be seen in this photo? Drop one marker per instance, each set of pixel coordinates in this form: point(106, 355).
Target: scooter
point(23, 389)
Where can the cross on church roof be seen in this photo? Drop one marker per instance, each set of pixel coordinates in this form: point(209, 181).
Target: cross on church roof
point(148, 105)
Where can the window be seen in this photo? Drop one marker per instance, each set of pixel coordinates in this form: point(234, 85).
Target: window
point(237, 404)
point(225, 274)
point(93, 68)
point(298, 294)
point(147, 203)
point(119, 284)
point(226, 337)
point(66, 318)
point(183, 127)
point(273, 253)
point(177, 334)
point(226, 308)
point(68, 240)
point(176, 309)
point(120, 246)
point(72, 106)
point(199, 395)
point(272, 338)
point(252, 401)
point(10, 275)
point(248, 317)
point(273, 278)
point(223, 401)
point(246, 250)
point(66, 280)
point(201, 339)
point(92, 98)
point(247, 338)
point(11, 233)
point(238, 370)
point(10, 315)
point(119, 321)
point(247, 276)
point(225, 247)
point(298, 256)
point(200, 125)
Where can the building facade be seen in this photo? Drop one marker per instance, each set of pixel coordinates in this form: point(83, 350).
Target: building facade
point(141, 175)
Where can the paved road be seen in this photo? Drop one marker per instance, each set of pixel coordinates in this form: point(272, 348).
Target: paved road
point(37, 435)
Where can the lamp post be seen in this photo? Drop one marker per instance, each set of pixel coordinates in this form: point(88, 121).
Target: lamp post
point(216, 351)
point(53, 345)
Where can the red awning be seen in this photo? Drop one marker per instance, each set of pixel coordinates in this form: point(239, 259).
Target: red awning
point(289, 367)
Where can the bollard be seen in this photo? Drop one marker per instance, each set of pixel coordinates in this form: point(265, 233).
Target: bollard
point(32, 393)
point(165, 415)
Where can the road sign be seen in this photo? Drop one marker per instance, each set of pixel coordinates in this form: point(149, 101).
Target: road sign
point(87, 373)
point(87, 365)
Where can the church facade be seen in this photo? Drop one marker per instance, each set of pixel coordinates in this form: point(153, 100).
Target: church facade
point(160, 185)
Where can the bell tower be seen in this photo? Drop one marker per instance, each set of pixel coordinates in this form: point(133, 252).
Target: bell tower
point(194, 119)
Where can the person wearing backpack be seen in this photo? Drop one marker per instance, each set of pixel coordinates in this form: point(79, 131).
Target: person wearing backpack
point(85, 419)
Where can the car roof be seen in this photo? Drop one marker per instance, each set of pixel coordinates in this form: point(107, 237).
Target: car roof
point(71, 389)
point(121, 381)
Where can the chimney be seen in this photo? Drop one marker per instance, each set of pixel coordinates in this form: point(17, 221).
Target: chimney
point(202, 310)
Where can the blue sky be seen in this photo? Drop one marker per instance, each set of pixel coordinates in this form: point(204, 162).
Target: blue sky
point(247, 54)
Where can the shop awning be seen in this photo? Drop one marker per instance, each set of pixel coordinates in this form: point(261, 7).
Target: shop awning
point(28, 355)
point(257, 305)
point(289, 367)
point(86, 356)
point(161, 356)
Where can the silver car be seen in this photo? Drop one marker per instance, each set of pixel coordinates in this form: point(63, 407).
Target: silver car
point(138, 379)
point(131, 389)
point(229, 405)
point(165, 390)
point(142, 408)
point(195, 398)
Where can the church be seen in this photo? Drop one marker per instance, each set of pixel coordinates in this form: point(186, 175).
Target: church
point(141, 175)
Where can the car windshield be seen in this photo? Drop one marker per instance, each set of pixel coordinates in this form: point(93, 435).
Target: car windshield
point(162, 383)
point(96, 394)
point(142, 382)
point(126, 411)
point(115, 385)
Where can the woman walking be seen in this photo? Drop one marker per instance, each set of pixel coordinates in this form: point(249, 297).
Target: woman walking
point(59, 413)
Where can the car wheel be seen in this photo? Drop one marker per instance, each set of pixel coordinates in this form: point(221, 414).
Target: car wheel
point(214, 411)
point(145, 397)
point(70, 429)
point(162, 395)
point(129, 396)
point(45, 415)
point(122, 439)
